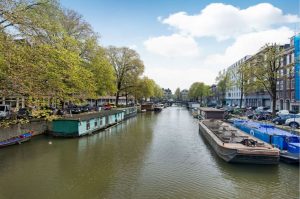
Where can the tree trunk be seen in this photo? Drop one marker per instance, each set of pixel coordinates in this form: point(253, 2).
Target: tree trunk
point(241, 100)
point(126, 99)
point(117, 98)
point(273, 105)
point(273, 91)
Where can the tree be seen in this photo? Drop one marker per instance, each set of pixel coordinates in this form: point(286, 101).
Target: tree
point(241, 77)
point(199, 91)
point(178, 94)
point(223, 83)
point(264, 68)
point(127, 67)
point(103, 72)
point(158, 92)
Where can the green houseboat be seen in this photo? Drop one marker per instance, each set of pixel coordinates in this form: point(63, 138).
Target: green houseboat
point(129, 112)
point(80, 125)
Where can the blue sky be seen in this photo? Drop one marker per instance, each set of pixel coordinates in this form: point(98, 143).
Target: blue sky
point(177, 43)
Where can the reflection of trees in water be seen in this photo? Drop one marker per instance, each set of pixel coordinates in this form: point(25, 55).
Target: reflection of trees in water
point(115, 156)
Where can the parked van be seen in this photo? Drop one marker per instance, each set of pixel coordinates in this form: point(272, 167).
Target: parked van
point(4, 111)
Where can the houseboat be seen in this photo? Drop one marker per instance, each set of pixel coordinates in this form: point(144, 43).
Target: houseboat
point(233, 145)
point(158, 107)
point(147, 107)
point(129, 112)
point(84, 124)
point(210, 113)
point(288, 143)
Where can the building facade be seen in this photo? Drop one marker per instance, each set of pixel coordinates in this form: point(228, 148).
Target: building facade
point(167, 94)
point(233, 93)
point(184, 95)
point(288, 84)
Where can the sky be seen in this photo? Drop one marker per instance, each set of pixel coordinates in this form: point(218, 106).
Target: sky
point(186, 41)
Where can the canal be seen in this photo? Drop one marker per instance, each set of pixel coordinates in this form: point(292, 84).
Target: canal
point(151, 156)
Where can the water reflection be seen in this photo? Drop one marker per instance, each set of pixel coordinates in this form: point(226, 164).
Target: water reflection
point(151, 156)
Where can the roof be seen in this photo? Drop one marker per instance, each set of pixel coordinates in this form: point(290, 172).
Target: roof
point(208, 109)
point(88, 116)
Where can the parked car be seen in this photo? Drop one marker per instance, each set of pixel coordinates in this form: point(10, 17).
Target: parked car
point(107, 107)
point(85, 108)
point(73, 110)
point(293, 122)
point(262, 115)
point(229, 109)
point(5, 111)
point(294, 112)
point(283, 112)
point(282, 118)
point(24, 113)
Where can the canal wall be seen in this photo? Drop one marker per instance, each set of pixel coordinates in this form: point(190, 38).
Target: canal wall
point(36, 126)
point(39, 126)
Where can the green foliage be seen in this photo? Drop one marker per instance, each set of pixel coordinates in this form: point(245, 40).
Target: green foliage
point(50, 52)
point(223, 83)
point(263, 70)
point(127, 68)
point(177, 94)
point(146, 88)
point(57, 55)
point(199, 90)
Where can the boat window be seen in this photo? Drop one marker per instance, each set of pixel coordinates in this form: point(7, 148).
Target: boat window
point(96, 123)
point(2, 108)
point(88, 126)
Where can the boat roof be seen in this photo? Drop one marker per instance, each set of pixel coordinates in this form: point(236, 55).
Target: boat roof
point(80, 117)
point(208, 109)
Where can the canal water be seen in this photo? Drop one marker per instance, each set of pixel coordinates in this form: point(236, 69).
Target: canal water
point(151, 156)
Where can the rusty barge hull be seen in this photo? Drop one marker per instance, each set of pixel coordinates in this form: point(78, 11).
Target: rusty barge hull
point(236, 152)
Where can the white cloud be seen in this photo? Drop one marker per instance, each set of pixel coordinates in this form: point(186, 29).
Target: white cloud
point(173, 46)
point(226, 21)
point(249, 29)
point(248, 44)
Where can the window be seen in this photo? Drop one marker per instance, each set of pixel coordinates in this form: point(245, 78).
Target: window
point(292, 58)
point(88, 126)
point(293, 95)
point(281, 73)
point(96, 123)
point(280, 85)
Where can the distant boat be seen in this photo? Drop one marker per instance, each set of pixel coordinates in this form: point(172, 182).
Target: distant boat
point(233, 145)
point(288, 143)
point(16, 140)
point(158, 107)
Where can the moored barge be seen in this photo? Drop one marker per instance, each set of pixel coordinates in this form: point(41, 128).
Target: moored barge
point(233, 145)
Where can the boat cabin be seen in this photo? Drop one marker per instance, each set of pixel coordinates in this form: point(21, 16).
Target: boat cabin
point(80, 125)
point(211, 113)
